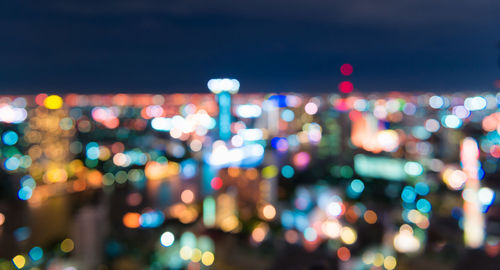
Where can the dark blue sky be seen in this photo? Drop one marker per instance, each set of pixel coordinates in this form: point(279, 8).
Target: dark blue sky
point(177, 45)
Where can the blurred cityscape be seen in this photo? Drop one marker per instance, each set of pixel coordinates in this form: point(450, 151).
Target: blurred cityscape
point(225, 180)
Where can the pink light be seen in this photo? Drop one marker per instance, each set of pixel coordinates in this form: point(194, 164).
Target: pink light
point(346, 69)
point(346, 87)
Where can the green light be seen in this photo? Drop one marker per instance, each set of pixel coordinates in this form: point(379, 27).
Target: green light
point(209, 211)
point(379, 167)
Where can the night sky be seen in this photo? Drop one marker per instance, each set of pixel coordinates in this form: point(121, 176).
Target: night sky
point(169, 46)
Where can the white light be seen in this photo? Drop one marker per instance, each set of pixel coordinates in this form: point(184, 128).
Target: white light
point(311, 108)
point(9, 114)
point(237, 141)
point(219, 85)
point(469, 195)
point(223, 157)
point(256, 150)
point(360, 105)
point(334, 209)
point(461, 112)
point(331, 228)
point(252, 134)
point(475, 103)
point(432, 125)
point(486, 196)
point(248, 111)
point(436, 102)
point(167, 239)
point(405, 242)
point(388, 139)
point(161, 123)
point(451, 121)
point(413, 168)
point(235, 155)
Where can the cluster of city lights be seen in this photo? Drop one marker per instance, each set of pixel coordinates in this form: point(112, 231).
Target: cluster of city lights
point(317, 171)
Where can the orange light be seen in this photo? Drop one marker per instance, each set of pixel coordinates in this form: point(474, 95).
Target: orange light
point(233, 172)
point(187, 196)
point(252, 173)
point(344, 254)
point(94, 178)
point(370, 217)
point(131, 220)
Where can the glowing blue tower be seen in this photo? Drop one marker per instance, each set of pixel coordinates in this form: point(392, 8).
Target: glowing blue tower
point(223, 89)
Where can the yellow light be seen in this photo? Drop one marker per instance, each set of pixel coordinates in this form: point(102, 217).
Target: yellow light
point(379, 259)
point(229, 223)
point(19, 261)
point(55, 175)
point(389, 262)
point(53, 102)
point(186, 253)
point(67, 245)
point(270, 171)
point(104, 153)
point(368, 257)
point(207, 258)
point(196, 255)
point(75, 166)
point(348, 235)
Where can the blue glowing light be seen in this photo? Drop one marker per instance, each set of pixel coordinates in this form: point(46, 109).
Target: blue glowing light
point(280, 144)
point(408, 195)
point(424, 206)
point(355, 189)
point(22, 233)
point(278, 100)
point(422, 189)
point(287, 115)
point(9, 137)
point(224, 99)
point(189, 168)
point(152, 219)
point(301, 221)
point(24, 193)
point(287, 171)
point(36, 253)
point(287, 219)
point(12, 163)
point(457, 213)
point(92, 150)
point(357, 185)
